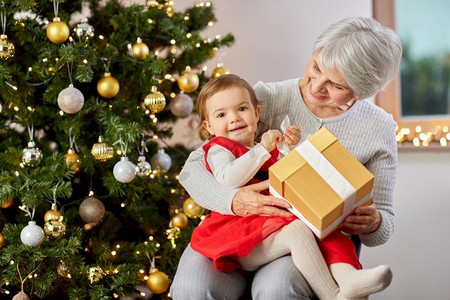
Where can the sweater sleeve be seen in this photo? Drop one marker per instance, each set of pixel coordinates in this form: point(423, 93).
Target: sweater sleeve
point(203, 187)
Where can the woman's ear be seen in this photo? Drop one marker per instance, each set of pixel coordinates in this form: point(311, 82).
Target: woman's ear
point(208, 127)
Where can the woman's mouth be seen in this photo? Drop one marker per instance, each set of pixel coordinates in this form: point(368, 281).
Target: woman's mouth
point(315, 95)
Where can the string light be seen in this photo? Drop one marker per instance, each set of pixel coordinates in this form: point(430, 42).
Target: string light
point(438, 137)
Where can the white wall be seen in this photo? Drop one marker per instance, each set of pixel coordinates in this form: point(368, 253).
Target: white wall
point(273, 42)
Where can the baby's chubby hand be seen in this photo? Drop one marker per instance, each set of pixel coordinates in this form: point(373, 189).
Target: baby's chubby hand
point(270, 139)
point(292, 135)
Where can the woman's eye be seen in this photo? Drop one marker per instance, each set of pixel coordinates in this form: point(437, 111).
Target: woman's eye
point(316, 67)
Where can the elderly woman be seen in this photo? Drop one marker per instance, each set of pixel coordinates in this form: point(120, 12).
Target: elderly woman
point(352, 60)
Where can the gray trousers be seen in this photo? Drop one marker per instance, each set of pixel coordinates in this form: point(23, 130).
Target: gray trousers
point(198, 278)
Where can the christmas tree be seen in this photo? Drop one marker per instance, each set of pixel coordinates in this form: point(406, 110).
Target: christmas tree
point(91, 207)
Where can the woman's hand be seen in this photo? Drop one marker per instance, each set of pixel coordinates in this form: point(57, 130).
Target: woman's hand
point(249, 201)
point(364, 219)
point(292, 135)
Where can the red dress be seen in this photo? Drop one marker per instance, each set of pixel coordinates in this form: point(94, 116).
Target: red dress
point(222, 238)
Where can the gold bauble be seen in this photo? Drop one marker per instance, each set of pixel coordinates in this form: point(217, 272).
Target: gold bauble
point(52, 214)
point(157, 282)
point(73, 160)
point(180, 220)
point(62, 269)
point(2, 240)
point(203, 133)
point(155, 101)
point(214, 52)
point(9, 203)
point(218, 71)
point(102, 151)
point(58, 31)
point(108, 86)
point(140, 50)
point(95, 274)
point(192, 209)
point(55, 228)
point(7, 48)
point(188, 81)
point(21, 296)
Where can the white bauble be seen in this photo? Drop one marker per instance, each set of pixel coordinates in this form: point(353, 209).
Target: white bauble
point(70, 100)
point(32, 235)
point(182, 105)
point(161, 160)
point(124, 170)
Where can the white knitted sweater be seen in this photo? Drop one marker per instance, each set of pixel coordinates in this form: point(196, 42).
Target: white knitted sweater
point(366, 130)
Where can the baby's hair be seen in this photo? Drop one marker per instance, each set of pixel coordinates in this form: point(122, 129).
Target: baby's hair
point(219, 84)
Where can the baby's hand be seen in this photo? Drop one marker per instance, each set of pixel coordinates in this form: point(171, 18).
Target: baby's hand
point(292, 135)
point(270, 138)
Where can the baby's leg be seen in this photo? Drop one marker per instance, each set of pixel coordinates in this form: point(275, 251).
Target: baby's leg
point(296, 238)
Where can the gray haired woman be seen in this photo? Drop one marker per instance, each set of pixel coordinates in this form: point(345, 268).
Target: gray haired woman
point(352, 60)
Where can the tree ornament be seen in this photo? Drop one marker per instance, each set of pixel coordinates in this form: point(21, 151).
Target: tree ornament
point(21, 296)
point(157, 282)
point(70, 100)
point(219, 70)
point(73, 160)
point(2, 240)
point(95, 274)
point(214, 52)
point(31, 156)
point(140, 50)
point(91, 210)
point(143, 168)
point(84, 29)
point(7, 49)
point(102, 151)
point(9, 203)
point(155, 101)
point(55, 228)
point(62, 269)
point(52, 214)
point(161, 160)
point(192, 209)
point(124, 170)
point(108, 86)
point(188, 81)
point(151, 3)
point(58, 31)
point(182, 105)
point(32, 234)
point(204, 133)
point(180, 220)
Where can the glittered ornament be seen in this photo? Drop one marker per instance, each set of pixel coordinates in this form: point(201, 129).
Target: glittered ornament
point(58, 31)
point(91, 210)
point(157, 282)
point(192, 209)
point(21, 296)
point(140, 50)
point(55, 228)
point(95, 274)
point(62, 269)
point(155, 101)
point(102, 151)
point(219, 70)
point(182, 105)
point(124, 170)
point(188, 81)
point(84, 29)
point(203, 133)
point(73, 160)
point(180, 220)
point(2, 240)
point(161, 160)
point(31, 156)
point(108, 86)
point(7, 49)
point(70, 100)
point(32, 235)
point(52, 214)
point(8, 204)
point(143, 168)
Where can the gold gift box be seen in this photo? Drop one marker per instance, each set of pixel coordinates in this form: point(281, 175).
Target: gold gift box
point(323, 182)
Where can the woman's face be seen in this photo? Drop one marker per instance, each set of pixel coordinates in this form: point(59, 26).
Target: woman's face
point(325, 90)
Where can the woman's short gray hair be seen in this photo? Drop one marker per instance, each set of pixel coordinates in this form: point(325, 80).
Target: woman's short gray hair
point(366, 53)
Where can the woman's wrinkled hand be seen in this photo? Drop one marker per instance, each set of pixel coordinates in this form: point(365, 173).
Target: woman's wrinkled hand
point(249, 201)
point(363, 220)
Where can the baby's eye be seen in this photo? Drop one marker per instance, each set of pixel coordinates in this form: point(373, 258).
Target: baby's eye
point(220, 115)
point(242, 108)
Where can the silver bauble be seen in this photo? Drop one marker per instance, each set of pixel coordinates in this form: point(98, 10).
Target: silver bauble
point(161, 160)
point(182, 105)
point(91, 210)
point(70, 100)
point(32, 235)
point(124, 170)
point(31, 156)
point(84, 29)
point(143, 168)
